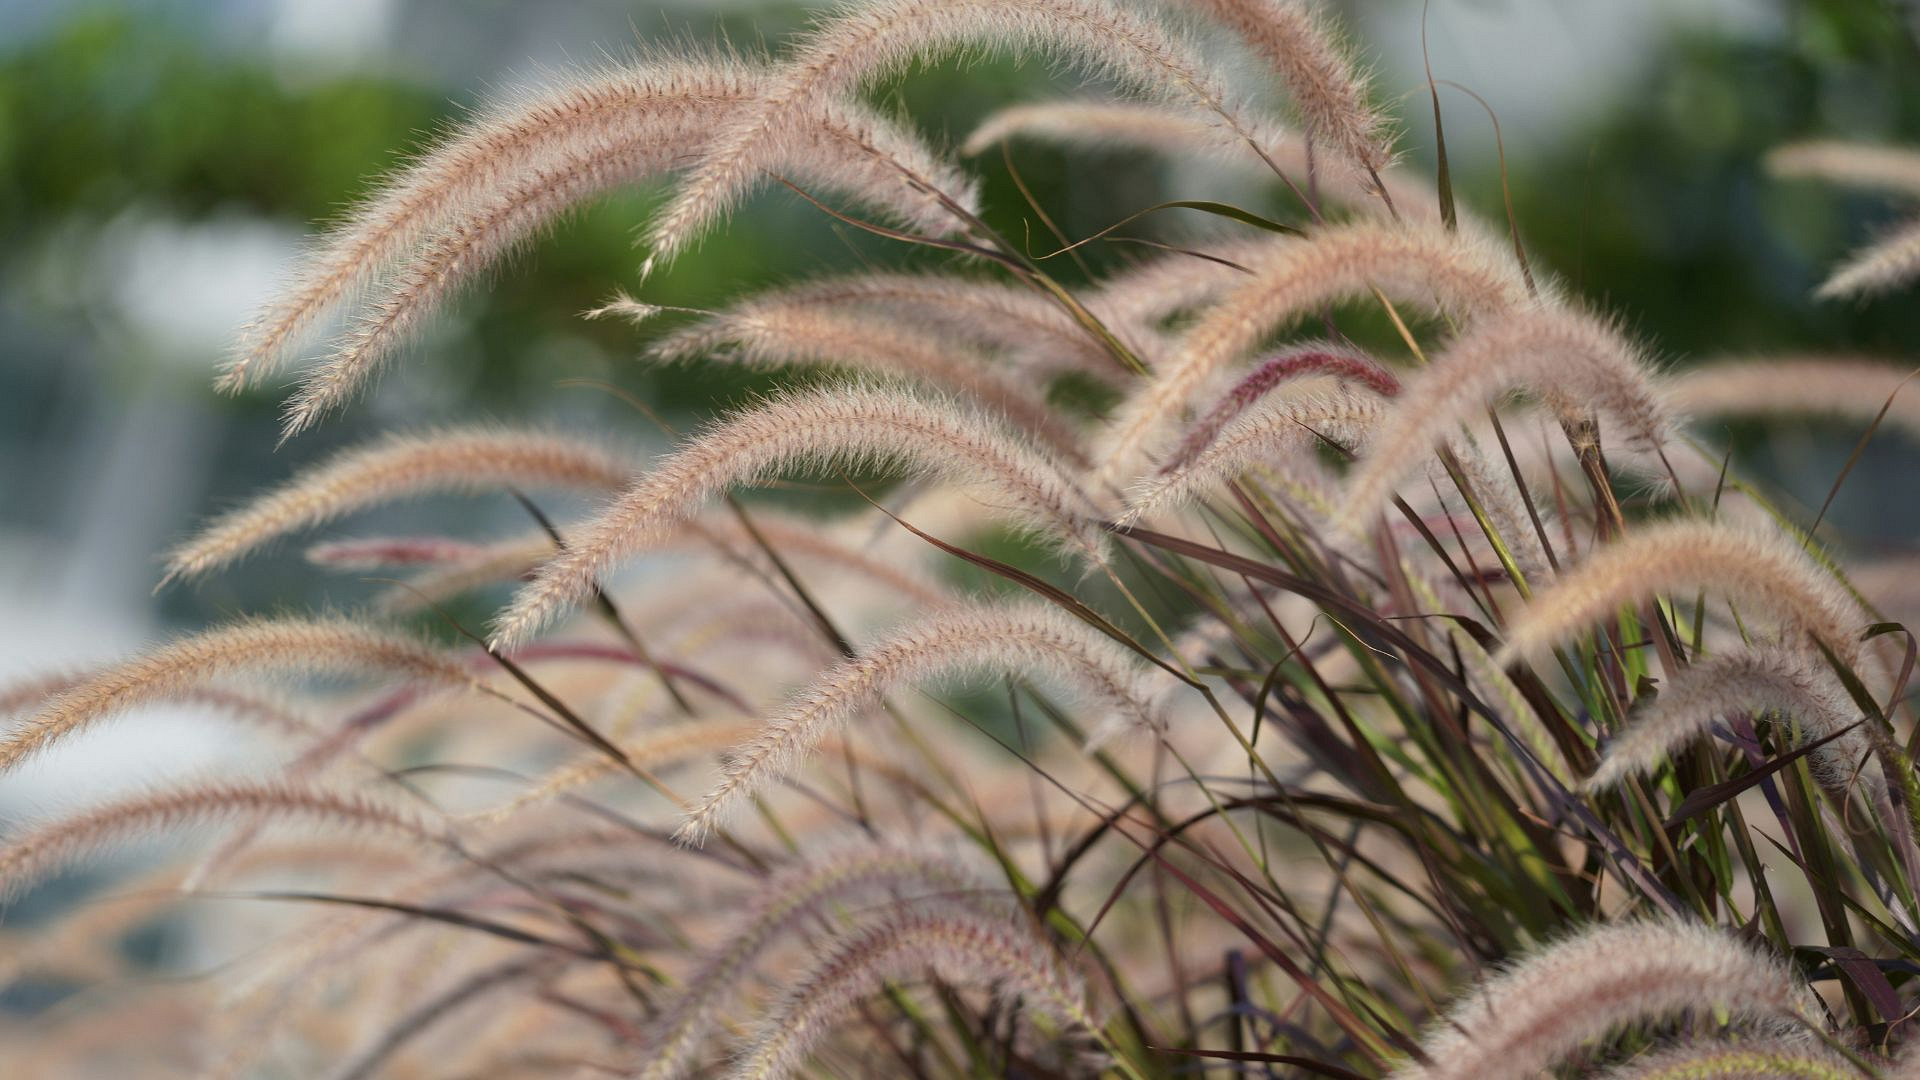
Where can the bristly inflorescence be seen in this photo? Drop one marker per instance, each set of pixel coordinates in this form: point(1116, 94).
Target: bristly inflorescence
point(1240, 641)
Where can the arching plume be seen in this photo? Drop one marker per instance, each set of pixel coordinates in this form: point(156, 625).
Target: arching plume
point(260, 709)
point(1344, 362)
point(1794, 682)
point(1281, 433)
point(456, 460)
point(963, 946)
point(843, 147)
point(1137, 302)
point(1183, 133)
point(1760, 573)
point(43, 850)
point(917, 873)
point(837, 427)
point(1426, 268)
point(1582, 988)
point(858, 45)
point(1851, 387)
point(1755, 1059)
point(1326, 89)
point(1141, 125)
point(652, 750)
point(525, 133)
point(384, 552)
point(645, 117)
point(1031, 330)
point(1006, 638)
point(1574, 361)
point(319, 645)
point(1889, 263)
point(502, 561)
point(773, 332)
point(1853, 164)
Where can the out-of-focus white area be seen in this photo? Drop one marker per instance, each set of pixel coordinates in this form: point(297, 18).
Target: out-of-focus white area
point(1545, 66)
point(135, 437)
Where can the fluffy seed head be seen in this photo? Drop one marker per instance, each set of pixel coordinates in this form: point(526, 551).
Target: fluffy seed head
point(777, 331)
point(859, 44)
point(1757, 681)
point(1760, 573)
point(1850, 387)
point(1605, 978)
point(1889, 263)
point(844, 148)
point(1424, 267)
point(962, 946)
point(1756, 1059)
point(524, 135)
point(1134, 125)
point(44, 850)
point(1031, 637)
point(1179, 134)
point(848, 872)
point(378, 552)
point(312, 645)
point(1019, 325)
point(1574, 361)
point(1327, 90)
point(457, 460)
point(820, 429)
point(1280, 433)
point(1349, 365)
point(1865, 165)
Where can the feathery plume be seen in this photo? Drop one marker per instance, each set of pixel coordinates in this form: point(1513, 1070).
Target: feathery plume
point(860, 44)
point(457, 460)
point(504, 173)
point(41, 851)
point(1026, 637)
point(1425, 267)
point(1888, 263)
point(850, 871)
point(1758, 1059)
point(959, 945)
point(1326, 90)
point(1573, 360)
point(793, 538)
point(1759, 572)
point(320, 645)
point(777, 331)
point(1584, 987)
point(381, 552)
point(1281, 433)
point(262, 710)
point(1182, 133)
point(580, 115)
point(842, 426)
point(1141, 125)
point(842, 148)
point(1851, 387)
point(1031, 330)
point(501, 561)
point(1853, 164)
point(1136, 303)
point(1349, 364)
point(1497, 491)
point(1755, 681)
point(653, 750)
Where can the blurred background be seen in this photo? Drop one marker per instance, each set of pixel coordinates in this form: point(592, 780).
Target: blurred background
point(161, 161)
